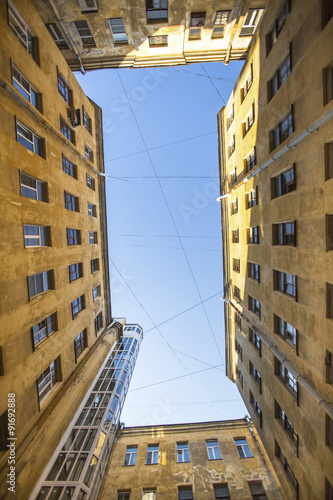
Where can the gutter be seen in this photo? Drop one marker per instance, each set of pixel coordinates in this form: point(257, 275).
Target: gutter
point(67, 35)
point(300, 380)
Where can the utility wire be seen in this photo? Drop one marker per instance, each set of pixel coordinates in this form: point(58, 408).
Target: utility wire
point(168, 177)
point(175, 378)
point(211, 81)
point(169, 248)
point(163, 337)
point(183, 312)
point(163, 236)
point(170, 213)
point(186, 404)
point(206, 76)
point(158, 147)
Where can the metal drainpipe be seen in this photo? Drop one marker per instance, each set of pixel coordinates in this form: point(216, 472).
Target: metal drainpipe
point(276, 488)
point(301, 380)
point(67, 35)
point(281, 152)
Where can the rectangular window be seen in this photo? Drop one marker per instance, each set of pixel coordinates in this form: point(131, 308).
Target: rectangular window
point(185, 493)
point(329, 232)
point(279, 77)
point(65, 90)
point(255, 306)
point(231, 146)
point(88, 153)
point(286, 423)
point(94, 265)
point(329, 367)
point(256, 407)
point(282, 131)
point(221, 492)
point(78, 305)
point(284, 233)
point(88, 6)
point(96, 292)
point(40, 283)
point(285, 330)
point(220, 22)
point(279, 453)
point(80, 343)
point(92, 237)
point(73, 237)
point(26, 90)
point(234, 206)
point(71, 202)
point(237, 293)
point(257, 490)
point(36, 236)
point(47, 381)
point(183, 454)
point(328, 148)
point(67, 131)
point(213, 450)
point(328, 486)
point(118, 31)
point(152, 454)
point(235, 235)
point(250, 161)
point(43, 329)
point(157, 11)
point(256, 375)
point(87, 122)
point(75, 271)
point(253, 235)
point(277, 27)
point(29, 139)
point(90, 182)
point(239, 349)
point(149, 495)
point(286, 377)
point(98, 322)
point(33, 188)
point(252, 198)
point(130, 455)
point(329, 299)
point(249, 121)
point(4, 435)
point(69, 167)
point(239, 375)
point(250, 22)
point(238, 320)
point(23, 32)
point(197, 22)
point(284, 183)
point(236, 265)
point(84, 33)
point(285, 283)
point(158, 41)
point(230, 117)
point(329, 431)
point(233, 177)
point(92, 210)
point(57, 35)
point(255, 339)
point(242, 448)
point(123, 495)
point(248, 84)
point(254, 271)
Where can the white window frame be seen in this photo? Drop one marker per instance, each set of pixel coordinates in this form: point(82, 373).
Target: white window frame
point(96, 292)
point(38, 236)
point(213, 445)
point(29, 140)
point(92, 209)
point(51, 383)
point(44, 282)
point(118, 36)
point(182, 448)
point(151, 454)
point(19, 80)
point(131, 451)
point(14, 15)
point(243, 448)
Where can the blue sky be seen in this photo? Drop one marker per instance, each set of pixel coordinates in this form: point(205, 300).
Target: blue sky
point(164, 228)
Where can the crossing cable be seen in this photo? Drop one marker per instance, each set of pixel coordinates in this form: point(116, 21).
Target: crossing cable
point(165, 340)
point(171, 216)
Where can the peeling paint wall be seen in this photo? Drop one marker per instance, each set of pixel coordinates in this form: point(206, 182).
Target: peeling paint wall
point(200, 472)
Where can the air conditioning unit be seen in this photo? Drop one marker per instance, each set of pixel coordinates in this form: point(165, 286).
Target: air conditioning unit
point(74, 116)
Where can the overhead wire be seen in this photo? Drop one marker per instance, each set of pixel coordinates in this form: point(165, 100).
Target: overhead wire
point(170, 213)
point(211, 81)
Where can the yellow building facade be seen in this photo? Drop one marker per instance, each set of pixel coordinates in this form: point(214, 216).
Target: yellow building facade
point(56, 326)
point(275, 146)
point(200, 461)
point(98, 34)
